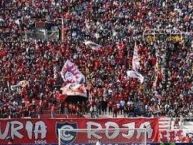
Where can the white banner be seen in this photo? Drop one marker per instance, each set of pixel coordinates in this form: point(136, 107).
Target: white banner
point(71, 74)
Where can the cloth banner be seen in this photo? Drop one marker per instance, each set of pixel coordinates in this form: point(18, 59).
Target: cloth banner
point(74, 89)
point(71, 74)
point(45, 131)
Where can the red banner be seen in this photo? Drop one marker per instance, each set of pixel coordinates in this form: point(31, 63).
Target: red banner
point(45, 130)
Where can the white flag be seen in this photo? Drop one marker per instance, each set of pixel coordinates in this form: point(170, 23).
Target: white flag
point(20, 84)
point(23, 83)
point(156, 70)
point(136, 59)
point(74, 89)
point(135, 74)
point(71, 74)
point(92, 45)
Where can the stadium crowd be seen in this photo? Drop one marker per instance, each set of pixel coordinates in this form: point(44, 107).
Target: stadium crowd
point(30, 78)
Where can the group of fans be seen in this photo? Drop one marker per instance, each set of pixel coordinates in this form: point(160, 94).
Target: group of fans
point(161, 30)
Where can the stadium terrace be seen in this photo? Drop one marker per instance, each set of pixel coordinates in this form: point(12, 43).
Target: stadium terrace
point(96, 71)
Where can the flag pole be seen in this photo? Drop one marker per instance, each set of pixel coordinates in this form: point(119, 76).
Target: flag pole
point(62, 31)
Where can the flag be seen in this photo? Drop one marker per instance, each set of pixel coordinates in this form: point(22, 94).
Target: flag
point(55, 72)
point(19, 85)
point(135, 74)
point(156, 70)
point(14, 87)
point(136, 59)
point(92, 45)
point(71, 74)
point(23, 83)
point(135, 66)
point(2, 20)
point(74, 89)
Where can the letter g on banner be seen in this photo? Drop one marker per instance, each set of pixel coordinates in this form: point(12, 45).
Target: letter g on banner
point(67, 135)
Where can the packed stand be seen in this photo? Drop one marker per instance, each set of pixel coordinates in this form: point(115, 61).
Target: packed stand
point(117, 25)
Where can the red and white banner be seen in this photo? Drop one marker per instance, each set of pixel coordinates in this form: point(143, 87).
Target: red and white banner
point(71, 74)
point(74, 89)
point(175, 135)
point(44, 131)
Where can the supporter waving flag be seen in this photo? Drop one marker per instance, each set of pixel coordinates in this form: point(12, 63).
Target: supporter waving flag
point(135, 66)
point(71, 74)
point(92, 45)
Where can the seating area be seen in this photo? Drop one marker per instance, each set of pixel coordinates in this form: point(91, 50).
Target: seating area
point(161, 31)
